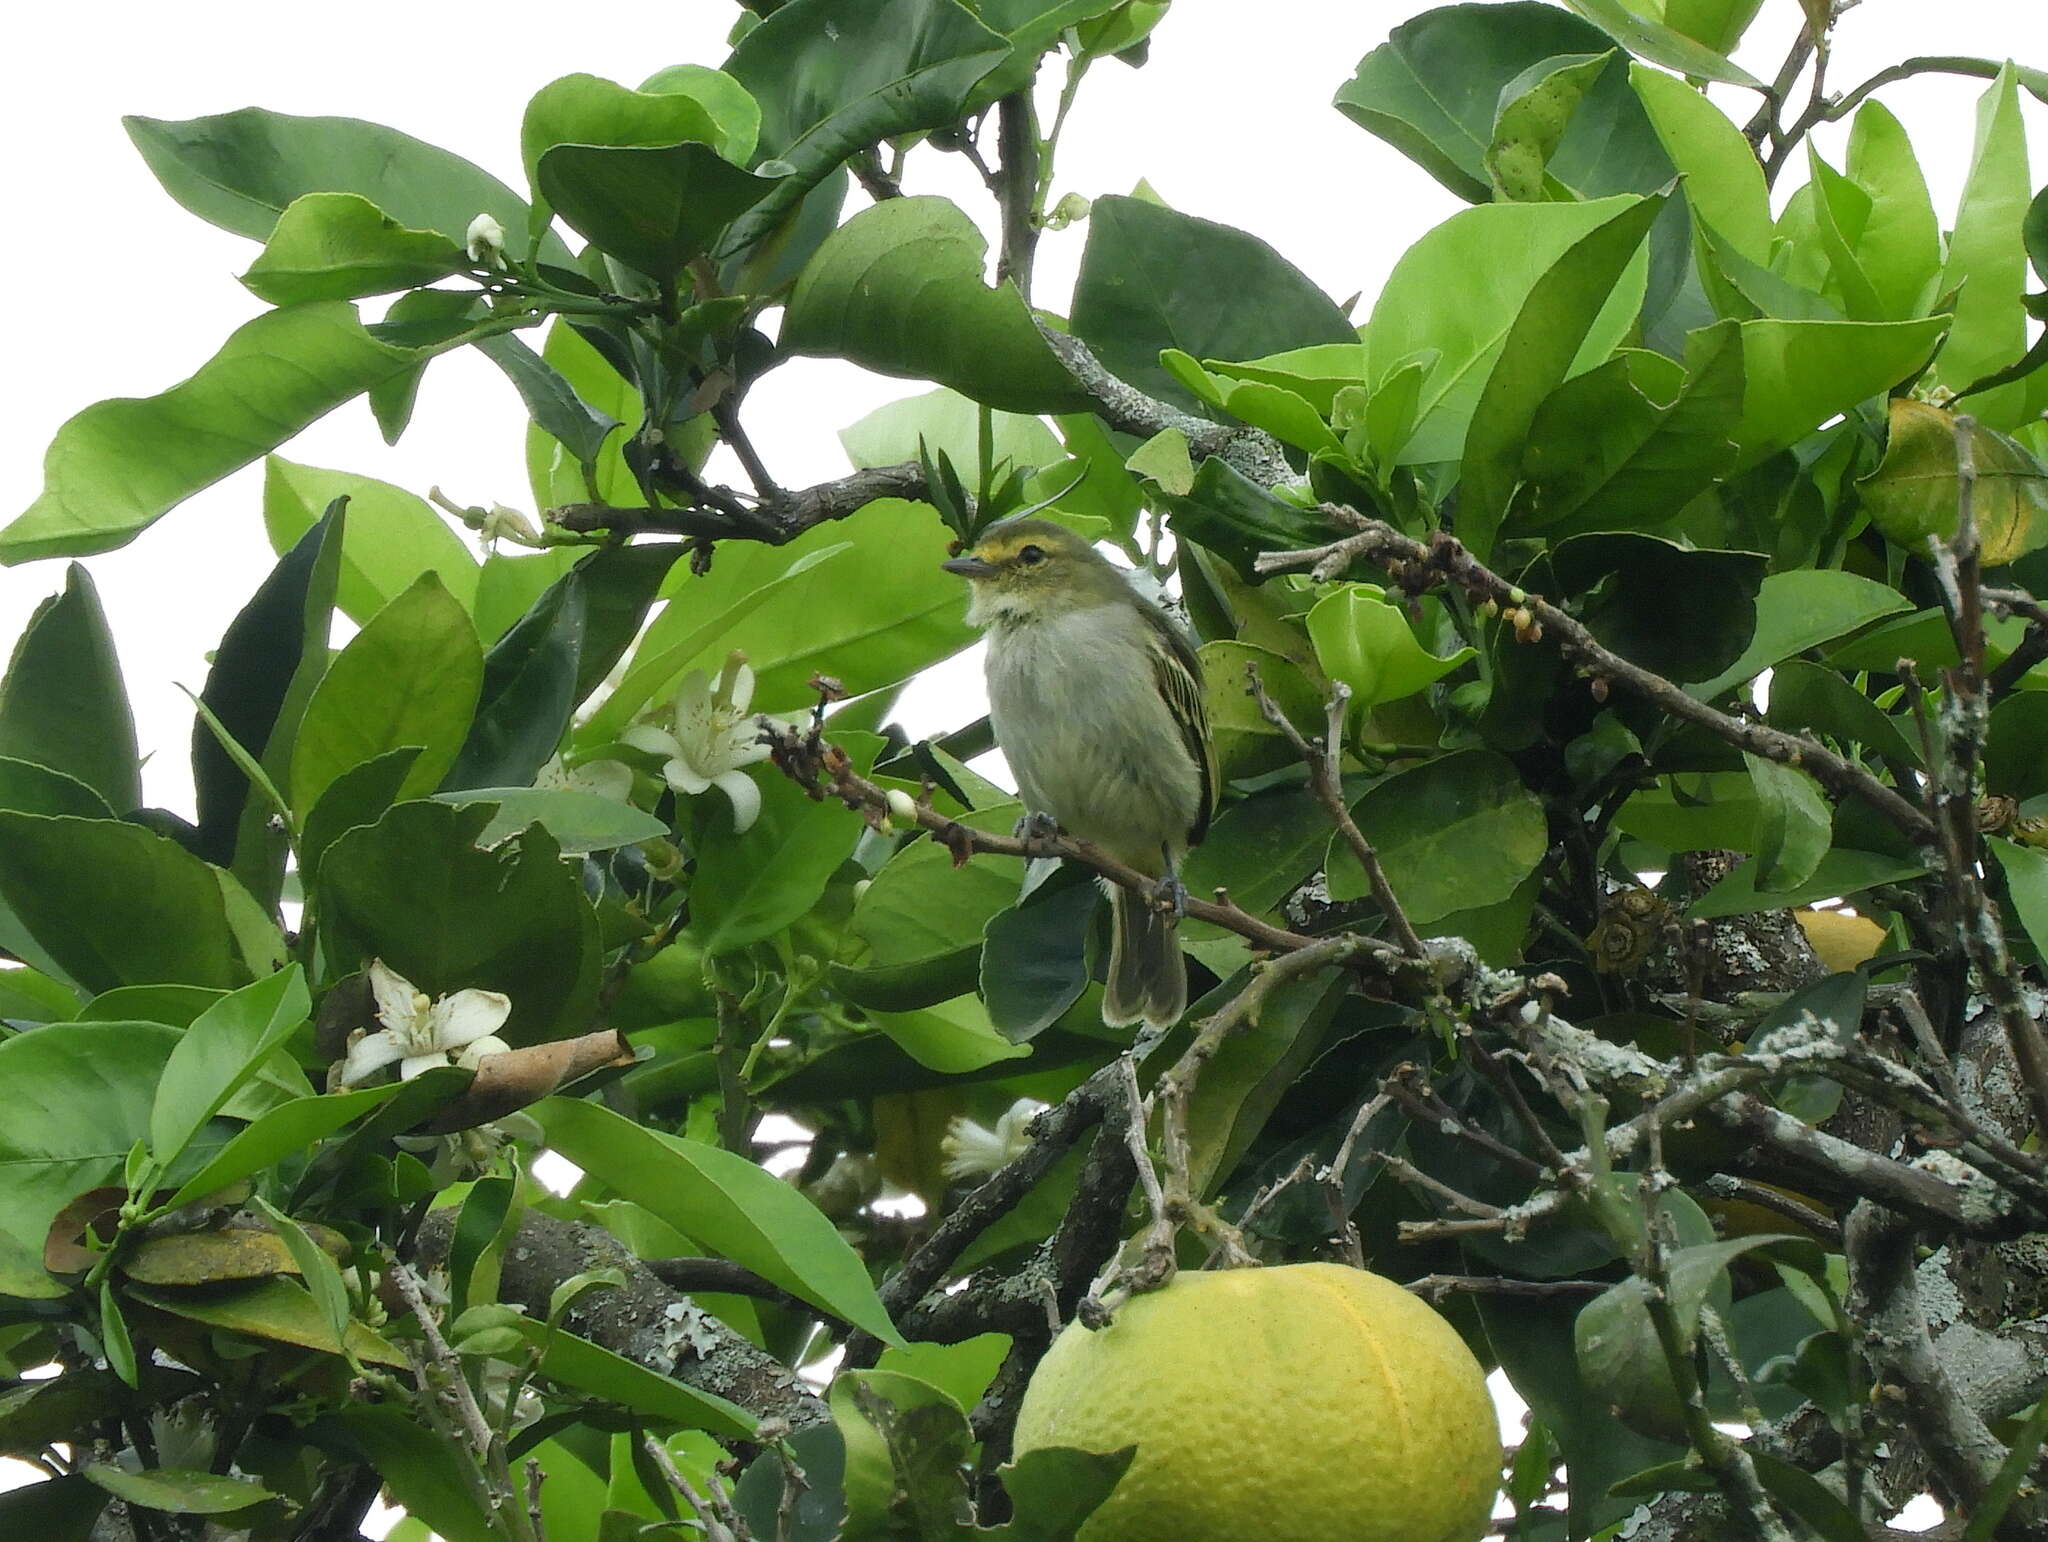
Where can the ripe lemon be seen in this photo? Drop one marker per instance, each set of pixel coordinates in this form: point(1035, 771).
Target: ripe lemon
point(1303, 1403)
point(1839, 941)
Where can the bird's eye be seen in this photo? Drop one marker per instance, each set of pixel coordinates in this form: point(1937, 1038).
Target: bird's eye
point(1031, 555)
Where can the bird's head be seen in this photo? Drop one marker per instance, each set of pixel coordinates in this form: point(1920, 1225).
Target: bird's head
point(1028, 569)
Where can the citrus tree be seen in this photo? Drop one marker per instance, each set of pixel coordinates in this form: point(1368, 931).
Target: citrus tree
point(1621, 925)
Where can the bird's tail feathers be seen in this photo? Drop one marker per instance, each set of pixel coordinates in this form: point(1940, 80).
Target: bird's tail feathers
point(1148, 978)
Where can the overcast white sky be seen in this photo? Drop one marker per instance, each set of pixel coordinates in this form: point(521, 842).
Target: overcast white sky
point(114, 290)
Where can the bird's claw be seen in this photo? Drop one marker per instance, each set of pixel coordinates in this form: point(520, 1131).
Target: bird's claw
point(1171, 895)
point(1037, 826)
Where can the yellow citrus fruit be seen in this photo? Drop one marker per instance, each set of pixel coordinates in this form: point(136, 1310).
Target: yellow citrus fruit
point(1839, 941)
point(1303, 1403)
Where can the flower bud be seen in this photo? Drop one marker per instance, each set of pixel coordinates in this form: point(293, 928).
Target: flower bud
point(902, 806)
point(485, 242)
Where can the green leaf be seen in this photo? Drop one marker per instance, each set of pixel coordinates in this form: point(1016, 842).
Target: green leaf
point(1230, 295)
point(907, 1446)
point(241, 170)
point(1841, 873)
point(1054, 1488)
point(414, 890)
point(338, 246)
point(115, 904)
point(1536, 108)
point(1034, 958)
point(554, 470)
point(119, 465)
point(723, 1201)
point(654, 209)
point(1252, 1070)
point(1836, 1004)
point(1715, 24)
point(1659, 44)
point(1799, 374)
point(1794, 823)
point(1840, 210)
point(410, 677)
point(1899, 246)
point(551, 402)
point(923, 919)
point(735, 115)
point(391, 539)
point(317, 1269)
point(278, 1309)
point(527, 691)
point(79, 1097)
point(1459, 291)
point(952, 1037)
point(249, 692)
point(579, 821)
point(1241, 741)
point(115, 1341)
point(221, 1050)
point(576, 1362)
point(1811, 698)
point(178, 1491)
point(276, 1134)
point(1368, 644)
point(357, 797)
point(1260, 849)
point(62, 1509)
point(589, 110)
point(1625, 581)
point(1800, 610)
point(752, 885)
point(695, 618)
point(2026, 880)
point(62, 703)
point(1452, 834)
point(1535, 357)
point(898, 289)
point(1433, 91)
point(836, 76)
point(1724, 182)
point(1628, 445)
point(1987, 258)
point(1912, 496)
point(418, 1472)
point(1237, 519)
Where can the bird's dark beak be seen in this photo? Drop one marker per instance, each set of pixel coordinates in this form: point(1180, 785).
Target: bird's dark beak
point(970, 567)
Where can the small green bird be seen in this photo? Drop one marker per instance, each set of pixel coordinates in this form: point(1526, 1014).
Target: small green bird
point(1096, 698)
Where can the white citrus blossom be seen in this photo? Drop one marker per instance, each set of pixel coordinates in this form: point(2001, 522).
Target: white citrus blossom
point(485, 241)
point(711, 737)
point(974, 1150)
point(508, 524)
point(612, 779)
point(420, 1033)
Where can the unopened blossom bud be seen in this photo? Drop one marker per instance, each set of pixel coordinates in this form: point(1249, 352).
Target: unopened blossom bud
point(902, 806)
point(485, 241)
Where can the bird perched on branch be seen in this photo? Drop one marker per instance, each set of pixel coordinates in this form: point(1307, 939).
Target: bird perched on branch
point(1096, 697)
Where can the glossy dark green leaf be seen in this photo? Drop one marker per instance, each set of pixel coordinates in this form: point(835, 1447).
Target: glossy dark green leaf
point(339, 246)
point(178, 1491)
point(1452, 834)
point(250, 681)
point(1153, 278)
point(1260, 849)
point(410, 677)
point(418, 1472)
point(952, 1037)
point(223, 1048)
point(1831, 1011)
point(923, 919)
point(1433, 91)
point(723, 1201)
point(589, 110)
point(907, 1445)
point(1811, 698)
point(576, 1362)
point(820, 1505)
point(1800, 610)
point(119, 465)
point(241, 170)
point(1034, 956)
point(1534, 359)
point(1055, 1488)
point(898, 288)
point(62, 703)
point(752, 884)
point(1628, 445)
point(421, 318)
point(1237, 519)
point(1625, 582)
point(115, 904)
point(413, 890)
point(551, 401)
point(359, 796)
point(654, 209)
point(836, 76)
point(1794, 823)
point(278, 1133)
point(1842, 873)
point(527, 693)
point(552, 469)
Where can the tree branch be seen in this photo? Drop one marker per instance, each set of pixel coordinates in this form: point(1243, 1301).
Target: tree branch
point(721, 514)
